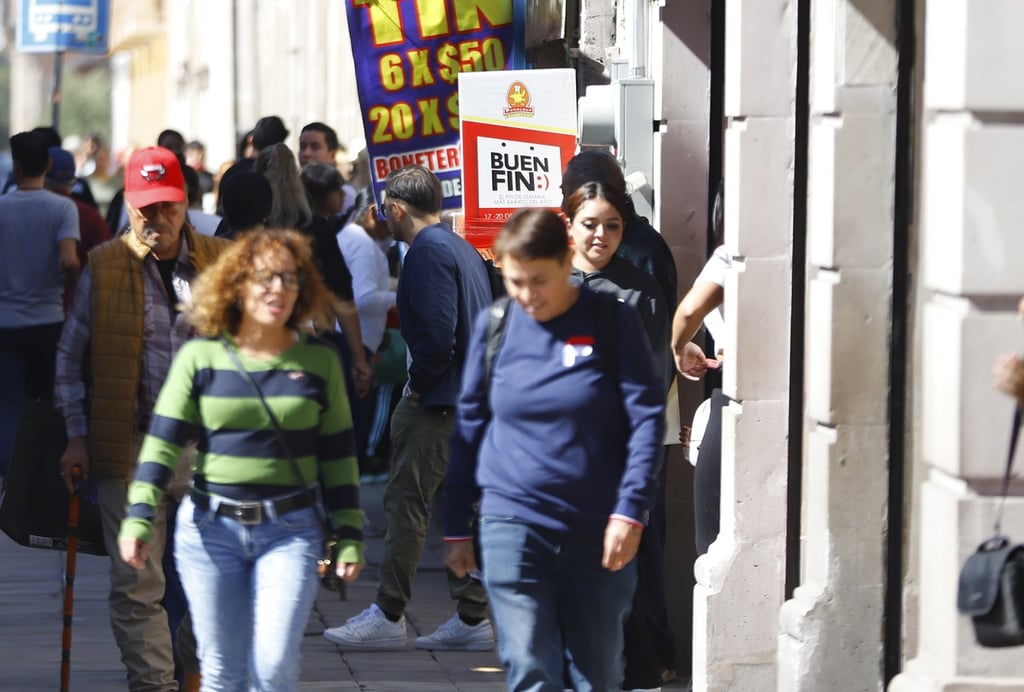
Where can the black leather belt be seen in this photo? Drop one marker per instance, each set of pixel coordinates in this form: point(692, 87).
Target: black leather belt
point(250, 513)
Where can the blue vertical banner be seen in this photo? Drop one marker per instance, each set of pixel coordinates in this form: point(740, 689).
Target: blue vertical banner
point(408, 55)
point(50, 26)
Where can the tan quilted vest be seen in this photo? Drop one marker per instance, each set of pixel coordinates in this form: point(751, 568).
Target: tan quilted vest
point(116, 343)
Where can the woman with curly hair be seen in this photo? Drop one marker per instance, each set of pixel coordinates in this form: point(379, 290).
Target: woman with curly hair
point(249, 533)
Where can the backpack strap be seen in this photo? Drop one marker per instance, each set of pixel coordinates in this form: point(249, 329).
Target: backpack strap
point(607, 336)
point(497, 317)
point(607, 332)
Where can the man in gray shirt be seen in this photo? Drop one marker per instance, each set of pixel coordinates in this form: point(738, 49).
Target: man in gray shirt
point(38, 257)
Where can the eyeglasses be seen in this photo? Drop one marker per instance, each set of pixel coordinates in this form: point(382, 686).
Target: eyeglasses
point(265, 278)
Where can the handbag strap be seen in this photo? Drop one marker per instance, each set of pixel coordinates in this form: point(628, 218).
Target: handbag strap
point(321, 514)
point(1014, 434)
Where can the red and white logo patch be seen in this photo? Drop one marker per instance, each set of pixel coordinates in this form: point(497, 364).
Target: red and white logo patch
point(577, 347)
point(153, 172)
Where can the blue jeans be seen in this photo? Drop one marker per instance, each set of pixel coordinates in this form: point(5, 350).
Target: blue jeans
point(553, 603)
point(250, 590)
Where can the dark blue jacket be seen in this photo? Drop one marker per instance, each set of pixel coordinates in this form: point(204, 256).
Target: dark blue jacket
point(442, 288)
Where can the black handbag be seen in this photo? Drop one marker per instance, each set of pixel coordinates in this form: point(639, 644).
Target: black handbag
point(991, 589)
point(34, 508)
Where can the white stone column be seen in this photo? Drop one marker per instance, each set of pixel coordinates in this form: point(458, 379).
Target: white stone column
point(972, 241)
point(740, 582)
point(832, 628)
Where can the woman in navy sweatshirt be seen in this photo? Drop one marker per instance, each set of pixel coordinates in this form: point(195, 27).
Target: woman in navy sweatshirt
point(557, 438)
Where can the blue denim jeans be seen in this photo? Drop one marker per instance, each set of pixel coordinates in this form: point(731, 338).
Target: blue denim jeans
point(553, 604)
point(250, 590)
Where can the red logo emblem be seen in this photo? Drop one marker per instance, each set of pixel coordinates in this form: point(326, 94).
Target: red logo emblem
point(153, 172)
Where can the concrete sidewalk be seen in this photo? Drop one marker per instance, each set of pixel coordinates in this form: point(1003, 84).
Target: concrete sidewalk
point(31, 616)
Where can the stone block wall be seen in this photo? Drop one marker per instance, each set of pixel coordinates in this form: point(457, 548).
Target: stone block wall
point(740, 581)
point(831, 628)
point(972, 244)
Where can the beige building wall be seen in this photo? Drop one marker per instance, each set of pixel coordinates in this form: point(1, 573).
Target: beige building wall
point(832, 627)
point(972, 244)
point(740, 581)
point(139, 42)
point(211, 69)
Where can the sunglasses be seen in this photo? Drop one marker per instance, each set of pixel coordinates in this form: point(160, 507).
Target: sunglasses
point(389, 198)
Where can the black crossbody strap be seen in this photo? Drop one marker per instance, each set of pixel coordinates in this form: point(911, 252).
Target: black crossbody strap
point(1014, 434)
point(321, 513)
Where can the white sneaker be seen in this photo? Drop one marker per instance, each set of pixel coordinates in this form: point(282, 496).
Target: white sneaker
point(455, 635)
point(369, 631)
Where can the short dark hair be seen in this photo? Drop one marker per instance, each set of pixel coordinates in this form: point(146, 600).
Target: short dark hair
point(31, 152)
point(571, 204)
point(532, 234)
point(320, 180)
point(417, 187)
point(171, 139)
point(246, 198)
point(51, 135)
point(330, 136)
point(592, 166)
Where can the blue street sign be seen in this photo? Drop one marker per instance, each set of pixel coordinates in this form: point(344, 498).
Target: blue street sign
point(49, 26)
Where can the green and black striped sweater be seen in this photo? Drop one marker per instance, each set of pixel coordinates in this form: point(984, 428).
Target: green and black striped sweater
point(206, 399)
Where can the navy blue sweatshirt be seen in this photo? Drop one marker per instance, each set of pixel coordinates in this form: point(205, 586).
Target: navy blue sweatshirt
point(556, 443)
point(442, 288)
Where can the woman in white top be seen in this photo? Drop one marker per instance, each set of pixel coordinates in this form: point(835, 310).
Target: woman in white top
point(700, 306)
point(371, 280)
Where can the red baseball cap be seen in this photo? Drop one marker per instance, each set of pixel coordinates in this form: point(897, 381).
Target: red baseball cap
point(153, 175)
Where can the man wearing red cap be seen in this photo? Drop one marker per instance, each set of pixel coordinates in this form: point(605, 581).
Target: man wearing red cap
point(123, 329)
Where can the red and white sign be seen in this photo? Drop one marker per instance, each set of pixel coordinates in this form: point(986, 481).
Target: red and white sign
point(518, 131)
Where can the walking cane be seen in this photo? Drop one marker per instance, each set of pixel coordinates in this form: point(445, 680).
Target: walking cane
point(69, 582)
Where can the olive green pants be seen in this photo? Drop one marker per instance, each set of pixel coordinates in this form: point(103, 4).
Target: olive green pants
point(419, 439)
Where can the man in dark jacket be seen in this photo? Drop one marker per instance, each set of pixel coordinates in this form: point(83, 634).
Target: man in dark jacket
point(442, 288)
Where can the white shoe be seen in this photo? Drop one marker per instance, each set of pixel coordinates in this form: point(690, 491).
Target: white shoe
point(369, 631)
point(455, 635)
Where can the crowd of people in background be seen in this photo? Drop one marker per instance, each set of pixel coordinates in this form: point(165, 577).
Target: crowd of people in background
point(223, 348)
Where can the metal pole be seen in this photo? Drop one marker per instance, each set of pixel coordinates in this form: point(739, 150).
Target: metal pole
point(58, 72)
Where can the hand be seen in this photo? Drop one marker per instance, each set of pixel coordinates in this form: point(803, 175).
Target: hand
point(348, 571)
point(621, 541)
point(133, 551)
point(1009, 372)
point(459, 558)
point(75, 454)
point(691, 361)
point(362, 376)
